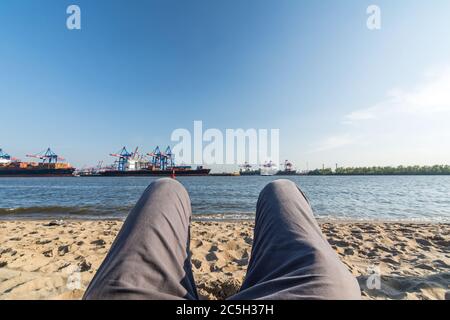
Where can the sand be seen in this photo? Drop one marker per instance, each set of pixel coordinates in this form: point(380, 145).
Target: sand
point(57, 259)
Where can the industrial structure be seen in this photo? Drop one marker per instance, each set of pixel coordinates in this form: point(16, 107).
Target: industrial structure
point(4, 157)
point(50, 165)
point(47, 156)
point(269, 169)
point(162, 160)
point(155, 163)
point(247, 170)
point(288, 169)
point(123, 157)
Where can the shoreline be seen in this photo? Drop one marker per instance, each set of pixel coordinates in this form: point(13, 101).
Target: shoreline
point(230, 174)
point(38, 257)
point(251, 219)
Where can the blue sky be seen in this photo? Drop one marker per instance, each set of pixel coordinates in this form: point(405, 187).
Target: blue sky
point(338, 92)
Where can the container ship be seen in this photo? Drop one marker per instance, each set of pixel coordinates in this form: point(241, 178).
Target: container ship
point(156, 163)
point(50, 165)
point(175, 171)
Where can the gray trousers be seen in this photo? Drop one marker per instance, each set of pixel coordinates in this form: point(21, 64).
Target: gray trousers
point(291, 259)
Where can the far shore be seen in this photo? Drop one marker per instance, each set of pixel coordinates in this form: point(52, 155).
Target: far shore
point(39, 259)
point(230, 174)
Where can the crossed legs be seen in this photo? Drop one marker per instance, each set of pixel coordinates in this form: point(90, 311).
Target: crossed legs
point(290, 257)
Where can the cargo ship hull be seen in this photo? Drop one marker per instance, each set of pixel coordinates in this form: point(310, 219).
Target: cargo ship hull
point(286, 173)
point(50, 165)
point(154, 173)
point(250, 173)
point(41, 172)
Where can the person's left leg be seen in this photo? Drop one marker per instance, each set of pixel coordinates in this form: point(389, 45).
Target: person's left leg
point(150, 257)
point(291, 258)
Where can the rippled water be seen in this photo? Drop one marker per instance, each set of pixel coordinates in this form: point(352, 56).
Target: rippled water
point(410, 198)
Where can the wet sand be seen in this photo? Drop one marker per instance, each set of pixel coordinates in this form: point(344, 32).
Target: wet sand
point(57, 259)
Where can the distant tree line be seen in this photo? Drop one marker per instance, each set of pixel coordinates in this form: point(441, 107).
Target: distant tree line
point(380, 171)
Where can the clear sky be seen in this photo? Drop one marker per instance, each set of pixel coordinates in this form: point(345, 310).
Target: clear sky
point(338, 92)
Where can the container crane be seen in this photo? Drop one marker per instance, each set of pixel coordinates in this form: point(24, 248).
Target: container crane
point(5, 158)
point(155, 157)
point(47, 157)
point(162, 160)
point(169, 157)
point(123, 157)
point(245, 167)
point(4, 155)
point(288, 165)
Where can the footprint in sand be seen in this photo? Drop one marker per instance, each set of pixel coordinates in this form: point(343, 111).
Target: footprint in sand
point(62, 250)
point(441, 264)
point(349, 252)
point(44, 241)
point(84, 266)
point(211, 256)
point(196, 243)
point(196, 263)
point(241, 262)
point(425, 267)
point(390, 261)
point(339, 243)
point(423, 242)
point(213, 248)
point(48, 253)
point(99, 242)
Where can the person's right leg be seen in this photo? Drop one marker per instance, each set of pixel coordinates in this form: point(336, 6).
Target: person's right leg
point(150, 257)
point(291, 259)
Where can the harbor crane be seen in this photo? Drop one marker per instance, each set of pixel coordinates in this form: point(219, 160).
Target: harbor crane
point(47, 156)
point(6, 158)
point(4, 155)
point(246, 167)
point(162, 160)
point(170, 157)
point(288, 166)
point(123, 157)
point(136, 156)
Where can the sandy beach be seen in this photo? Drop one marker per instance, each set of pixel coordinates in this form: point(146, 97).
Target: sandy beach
point(57, 259)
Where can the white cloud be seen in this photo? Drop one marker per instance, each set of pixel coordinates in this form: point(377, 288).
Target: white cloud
point(360, 115)
point(429, 97)
point(407, 126)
